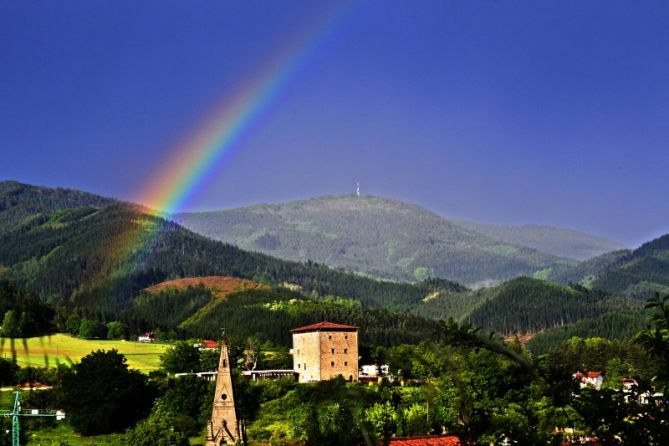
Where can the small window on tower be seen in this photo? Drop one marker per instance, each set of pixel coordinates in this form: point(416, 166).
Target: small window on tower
point(299, 365)
point(345, 336)
point(329, 336)
point(333, 351)
point(345, 363)
point(345, 350)
point(305, 366)
point(332, 363)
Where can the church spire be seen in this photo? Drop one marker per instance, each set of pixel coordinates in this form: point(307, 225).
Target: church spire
point(224, 428)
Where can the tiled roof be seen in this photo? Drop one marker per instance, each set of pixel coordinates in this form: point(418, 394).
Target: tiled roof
point(428, 440)
point(594, 374)
point(208, 343)
point(325, 325)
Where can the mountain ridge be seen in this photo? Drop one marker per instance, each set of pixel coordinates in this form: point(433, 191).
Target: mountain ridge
point(372, 235)
point(561, 242)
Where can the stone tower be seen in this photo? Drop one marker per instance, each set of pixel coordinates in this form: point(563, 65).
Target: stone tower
point(224, 428)
point(324, 351)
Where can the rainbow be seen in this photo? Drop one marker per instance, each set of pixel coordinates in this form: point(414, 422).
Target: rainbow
point(190, 163)
point(193, 162)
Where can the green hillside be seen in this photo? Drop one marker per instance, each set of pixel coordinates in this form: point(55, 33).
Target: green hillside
point(101, 257)
point(524, 305)
point(584, 272)
point(638, 273)
point(620, 325)
point(270, 315)
point(20, 203)
point(371, 235)
point(559, 242)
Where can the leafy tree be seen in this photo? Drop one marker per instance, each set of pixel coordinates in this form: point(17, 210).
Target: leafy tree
point(8, 370)
point(72, 324)
point(209, 360)
point(183, 357)
point(416, 420)
point(381, 417)
point(117, 330)
point(186, 404)
point(156, 431)
point(101, 395)
point(90, 329)
point(10, 325)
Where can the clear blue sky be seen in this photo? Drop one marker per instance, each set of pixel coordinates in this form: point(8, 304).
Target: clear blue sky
point(553, 112)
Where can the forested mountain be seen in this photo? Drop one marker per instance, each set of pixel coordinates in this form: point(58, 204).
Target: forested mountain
point(638, 273)
point(619, 325)
point(95, 256)
point(524, 305)
point(559, 242)
point(585, 271)
point(20, 203)
point(100, 257)
point(371, 235)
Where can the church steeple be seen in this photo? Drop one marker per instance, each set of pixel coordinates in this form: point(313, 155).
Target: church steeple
point(224, 428)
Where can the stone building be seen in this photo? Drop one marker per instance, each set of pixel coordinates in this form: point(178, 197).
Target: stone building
point(324, 351)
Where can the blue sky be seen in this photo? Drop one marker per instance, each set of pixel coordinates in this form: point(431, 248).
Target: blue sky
point(509, 112)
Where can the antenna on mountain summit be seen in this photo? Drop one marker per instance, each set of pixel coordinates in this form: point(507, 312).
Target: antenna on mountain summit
point(357, 189)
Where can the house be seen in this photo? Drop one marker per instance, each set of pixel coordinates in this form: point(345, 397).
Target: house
point(592, 379)
point(324, 351)
point(147, 337)
point(207, 376)
point(209, 344)
point(426, 440)
point(372, 373)
point(254, 375)
point(629, 384)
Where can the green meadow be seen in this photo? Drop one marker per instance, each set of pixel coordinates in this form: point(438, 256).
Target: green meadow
point(48, 351)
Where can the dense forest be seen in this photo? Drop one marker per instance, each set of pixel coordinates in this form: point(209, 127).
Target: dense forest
point(616, 325)
point(271, 314)
point(524, 305)
point(639, 273)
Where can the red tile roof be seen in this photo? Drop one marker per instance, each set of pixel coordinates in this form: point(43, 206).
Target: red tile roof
point(208, 343)
point(325, 325)
point(427, 440)
point(594, 374)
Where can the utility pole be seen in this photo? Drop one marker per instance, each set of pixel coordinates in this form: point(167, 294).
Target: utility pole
point(16, 412)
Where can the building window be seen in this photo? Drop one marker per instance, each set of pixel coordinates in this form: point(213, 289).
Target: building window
point(332, 363)
point(345, 336)
point(329, 336)
point(345, 363)
point(299, 365)
point(333, 351)
point(345, 350)
point(305, 366)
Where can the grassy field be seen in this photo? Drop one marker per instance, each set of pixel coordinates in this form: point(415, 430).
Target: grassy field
point(65, 435)
point(48, 351)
